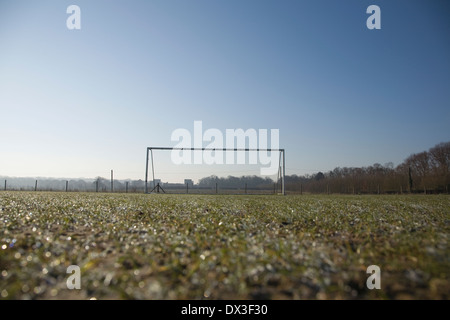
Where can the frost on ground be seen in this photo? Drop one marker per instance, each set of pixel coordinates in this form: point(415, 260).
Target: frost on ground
point(135, 246)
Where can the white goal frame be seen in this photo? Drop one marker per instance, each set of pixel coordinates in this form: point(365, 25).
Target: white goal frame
point(150, 158)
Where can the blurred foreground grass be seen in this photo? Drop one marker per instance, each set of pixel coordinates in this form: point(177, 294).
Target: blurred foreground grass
point(135, 246)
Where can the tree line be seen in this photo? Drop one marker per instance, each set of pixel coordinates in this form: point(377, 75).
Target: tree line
point(98, 184)
point(230, 182)
point(424, 172)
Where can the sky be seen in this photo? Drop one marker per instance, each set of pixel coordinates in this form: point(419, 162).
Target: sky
point(79, 103)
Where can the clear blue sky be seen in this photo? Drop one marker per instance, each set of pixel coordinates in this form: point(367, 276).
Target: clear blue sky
point(78, 103)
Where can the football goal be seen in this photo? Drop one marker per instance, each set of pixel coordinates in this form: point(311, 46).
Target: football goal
point(198, 161)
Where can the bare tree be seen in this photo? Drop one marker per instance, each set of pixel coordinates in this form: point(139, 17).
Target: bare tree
point(440, 160)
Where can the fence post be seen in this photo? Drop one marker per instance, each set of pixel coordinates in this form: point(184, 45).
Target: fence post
point(216, 187)
point(5, 185)
point(67, 185)
point(35, 186)
point(126, 187)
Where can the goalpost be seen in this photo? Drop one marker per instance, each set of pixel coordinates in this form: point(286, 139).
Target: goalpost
point(282, 160)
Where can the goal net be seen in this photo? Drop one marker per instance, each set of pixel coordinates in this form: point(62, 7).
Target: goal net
point(214, 170)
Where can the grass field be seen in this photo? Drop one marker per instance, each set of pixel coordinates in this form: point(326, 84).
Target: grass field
point(135, 246)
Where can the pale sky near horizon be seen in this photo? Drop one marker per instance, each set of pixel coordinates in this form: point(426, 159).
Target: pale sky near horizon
point(78, 103)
